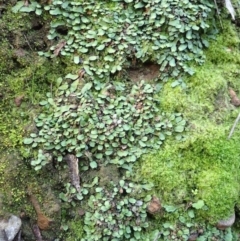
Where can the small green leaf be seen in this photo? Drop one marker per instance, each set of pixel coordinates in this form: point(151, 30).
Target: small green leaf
point(76, 59)
point(79, 196)
point(84, 191)
point(44, 102)
point(108, 58)
point(98, 189)
point(139, 5)
point(51, 101)
point(71, 76)
point(63, 87)
point(198, 205)
point(132, 200)
point(38, 11)
point(170, 209)
point(191, 214)
point(17, 7)
point(92, 58)
point(27, 9)
point(93, 164)
point(37, 168)
point(179, 128)
point(122, 153)
point(172, 62)
point(28, 141)
point(121, 182)
point(86, 87)
point(182, 47)
point(101, 47)
point(175, 83)
point(83, 50)
point(111, 50)
point(55, 11)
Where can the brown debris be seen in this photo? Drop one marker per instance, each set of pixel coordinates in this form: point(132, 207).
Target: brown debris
point(147, 72)
point(193, 237)
point(18, 100)
point(81, 212)
point(26, 3)
point(154, 206)
point(43, 222)
point(81, 73)
point(19, 53)
point(59, 47)
point(234, 99)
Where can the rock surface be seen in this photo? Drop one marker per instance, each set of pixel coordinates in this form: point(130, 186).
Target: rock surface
point(226, 223)
point(9, 227)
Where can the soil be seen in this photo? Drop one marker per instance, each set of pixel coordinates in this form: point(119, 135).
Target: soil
point(147, 72)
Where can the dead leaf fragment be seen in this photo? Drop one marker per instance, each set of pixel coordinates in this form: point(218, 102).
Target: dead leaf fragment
point(18, 100)
point(43, 222)
point(154, 206)
point(234, 99)
point(26, 3)
point(59, 47)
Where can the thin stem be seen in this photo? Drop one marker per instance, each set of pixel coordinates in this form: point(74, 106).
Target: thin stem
point(234, 126)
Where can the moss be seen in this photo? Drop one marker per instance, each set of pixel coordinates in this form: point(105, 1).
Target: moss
point(225, 48)
point(25, 74)
point(75, 231)
point(206, 167)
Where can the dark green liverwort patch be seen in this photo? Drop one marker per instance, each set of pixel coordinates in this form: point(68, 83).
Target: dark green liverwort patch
point(101, 123)
point(105, 37)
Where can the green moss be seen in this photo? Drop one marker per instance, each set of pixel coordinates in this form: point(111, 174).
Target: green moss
point(206, 167)
point(25, 74)
point(225, 48)
point(75, 231)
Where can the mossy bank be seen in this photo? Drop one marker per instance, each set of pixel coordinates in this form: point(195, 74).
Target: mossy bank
point(195, 173)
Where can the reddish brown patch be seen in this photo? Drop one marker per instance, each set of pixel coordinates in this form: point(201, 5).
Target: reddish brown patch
point(154, 206)
point(18, 100)
point(234, 99)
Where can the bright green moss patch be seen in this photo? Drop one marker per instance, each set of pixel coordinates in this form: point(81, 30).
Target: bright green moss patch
point(206, 167)
point(75, 231)
point(225, 48)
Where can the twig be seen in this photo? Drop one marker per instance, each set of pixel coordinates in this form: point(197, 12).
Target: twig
point(234, 126)
point(37, 233)
point(27, 42)
point(218, 13)
point(72, 162)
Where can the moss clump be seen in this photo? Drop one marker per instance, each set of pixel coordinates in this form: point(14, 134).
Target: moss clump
point(206, 167)
point(75, 231)
point(225, 48)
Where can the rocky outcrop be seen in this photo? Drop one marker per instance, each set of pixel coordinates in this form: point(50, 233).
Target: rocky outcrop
point(9, 227)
